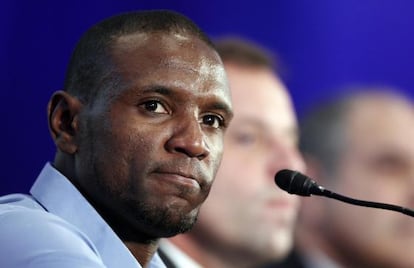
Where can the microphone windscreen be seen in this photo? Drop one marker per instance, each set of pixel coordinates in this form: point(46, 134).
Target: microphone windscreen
point(283, 179)
point(294, 182)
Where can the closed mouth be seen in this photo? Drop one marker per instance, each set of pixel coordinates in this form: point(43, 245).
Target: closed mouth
point(180, 178)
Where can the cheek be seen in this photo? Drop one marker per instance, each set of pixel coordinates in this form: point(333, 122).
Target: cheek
point(214, 161)
point(383, 191)
point(121, 150)
point(227, 198)
point(236, 178)
point(133, 139)
point(368, 185)
point(354, 180)
point(216, 146)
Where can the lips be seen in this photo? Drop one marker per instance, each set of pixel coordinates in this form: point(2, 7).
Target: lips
point(181, 174)
point(182, 179)
point(281, 203)
point(186, 179)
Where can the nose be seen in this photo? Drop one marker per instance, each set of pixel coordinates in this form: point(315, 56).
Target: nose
point(188, 138)
point(284, 156)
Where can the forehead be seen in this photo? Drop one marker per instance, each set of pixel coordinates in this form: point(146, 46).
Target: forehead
point(182, 61)
point(380, 121)
point(141, 53)
point(257, 93)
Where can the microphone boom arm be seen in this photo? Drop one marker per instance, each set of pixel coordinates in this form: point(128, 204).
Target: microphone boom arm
point(363, 203)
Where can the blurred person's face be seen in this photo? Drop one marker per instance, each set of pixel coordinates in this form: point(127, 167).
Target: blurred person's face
point(377, 165)
point(246, 212)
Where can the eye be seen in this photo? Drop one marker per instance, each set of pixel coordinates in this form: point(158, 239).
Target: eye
point(154, 106)
point(213, 120)
point(245, 138)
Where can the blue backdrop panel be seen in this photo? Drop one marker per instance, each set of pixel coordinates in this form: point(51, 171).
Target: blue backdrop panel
point(324, 45)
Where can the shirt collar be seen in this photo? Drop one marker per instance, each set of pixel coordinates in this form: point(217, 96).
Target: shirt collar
point(51, 187)
point(177, 256)
point(317, 259)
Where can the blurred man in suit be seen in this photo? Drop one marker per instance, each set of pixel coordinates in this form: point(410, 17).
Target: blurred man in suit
point(247, 220)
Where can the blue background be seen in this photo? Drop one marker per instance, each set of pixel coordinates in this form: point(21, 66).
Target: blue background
point(324, 45)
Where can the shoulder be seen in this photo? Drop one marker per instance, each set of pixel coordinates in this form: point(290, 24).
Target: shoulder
point(32, 235)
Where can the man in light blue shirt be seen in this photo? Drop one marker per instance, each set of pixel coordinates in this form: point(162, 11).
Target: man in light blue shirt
point(139, 134)
point(72, 234)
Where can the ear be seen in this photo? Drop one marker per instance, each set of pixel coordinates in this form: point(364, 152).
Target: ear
point(63, 115)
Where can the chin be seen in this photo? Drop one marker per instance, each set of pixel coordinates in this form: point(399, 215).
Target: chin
point(172, 230)
point(281, 245)
point(176, 224)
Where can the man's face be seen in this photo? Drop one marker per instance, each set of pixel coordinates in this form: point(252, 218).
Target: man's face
point(246, 212)
point(377, 165)
point(148, 153)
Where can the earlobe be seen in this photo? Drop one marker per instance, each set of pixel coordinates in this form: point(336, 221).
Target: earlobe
point(63, 115)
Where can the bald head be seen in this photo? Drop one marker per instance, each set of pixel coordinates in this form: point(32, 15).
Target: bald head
point(333, 122)
point(91, 67)
point(369, 112)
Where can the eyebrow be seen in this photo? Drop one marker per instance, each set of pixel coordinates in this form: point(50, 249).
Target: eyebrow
point(292, 131)
point(158, 89)
point(218, 105)
point(163, 90)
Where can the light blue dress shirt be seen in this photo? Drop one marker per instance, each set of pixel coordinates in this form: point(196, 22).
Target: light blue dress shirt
point(56, 227)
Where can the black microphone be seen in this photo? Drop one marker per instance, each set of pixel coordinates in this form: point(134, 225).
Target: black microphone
point(294, 182)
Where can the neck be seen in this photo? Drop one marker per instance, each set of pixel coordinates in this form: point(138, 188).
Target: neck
point(311, 243)
point(141, 245)
point(143, 253)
